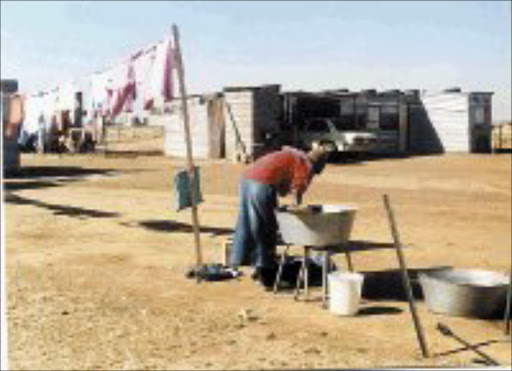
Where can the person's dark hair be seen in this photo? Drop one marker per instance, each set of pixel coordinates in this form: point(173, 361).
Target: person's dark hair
point(318, 157)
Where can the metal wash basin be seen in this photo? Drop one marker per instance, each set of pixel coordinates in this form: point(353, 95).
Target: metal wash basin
point(316, 225)
point(466, 293)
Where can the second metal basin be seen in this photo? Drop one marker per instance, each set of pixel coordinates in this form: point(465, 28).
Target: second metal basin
point(316, 225)
point(464, 292)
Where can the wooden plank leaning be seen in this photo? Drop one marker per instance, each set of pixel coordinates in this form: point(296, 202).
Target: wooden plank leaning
point(405, 278)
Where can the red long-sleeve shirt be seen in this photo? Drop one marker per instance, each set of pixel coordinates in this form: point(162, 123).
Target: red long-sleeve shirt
point(288, 169)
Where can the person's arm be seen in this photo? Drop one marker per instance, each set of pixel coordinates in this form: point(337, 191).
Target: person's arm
point(300, 182)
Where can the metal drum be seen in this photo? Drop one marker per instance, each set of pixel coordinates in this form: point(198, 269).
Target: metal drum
point(467, 293)
point(316, 225)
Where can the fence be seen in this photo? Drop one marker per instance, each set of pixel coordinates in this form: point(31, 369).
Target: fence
point(502, 137)
point(138, 140)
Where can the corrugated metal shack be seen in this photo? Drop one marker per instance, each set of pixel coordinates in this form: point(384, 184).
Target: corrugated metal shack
point(450, 121)
point(206, 127)
point(384, 114)
point(232, 124)
point(236, 123)
point(404, 121)
point(12, 116)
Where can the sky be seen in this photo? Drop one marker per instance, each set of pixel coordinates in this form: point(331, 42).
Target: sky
point(306, 45)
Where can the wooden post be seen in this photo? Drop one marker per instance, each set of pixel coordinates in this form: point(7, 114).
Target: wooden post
point(507, 307)
point(405, 279)
point(500, 137)
point(186, 123)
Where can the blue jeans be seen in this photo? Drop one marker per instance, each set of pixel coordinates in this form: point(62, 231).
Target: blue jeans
point(255, 234)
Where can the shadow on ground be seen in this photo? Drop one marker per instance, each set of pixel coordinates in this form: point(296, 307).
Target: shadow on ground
point(37, 177)
point(378, 310)
point(37, 184)
point(66, 210)
point(388, 284)
point(364, 245)
point(56, 171)
point(466, 348)
point(173, 226)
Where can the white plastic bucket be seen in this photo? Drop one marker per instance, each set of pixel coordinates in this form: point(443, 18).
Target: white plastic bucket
point(345, 292)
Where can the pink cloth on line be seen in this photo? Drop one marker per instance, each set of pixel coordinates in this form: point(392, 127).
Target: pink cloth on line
point(168, 88)
point(125, 95)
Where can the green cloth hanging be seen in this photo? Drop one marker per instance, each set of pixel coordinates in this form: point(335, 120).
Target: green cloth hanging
point(182, 189)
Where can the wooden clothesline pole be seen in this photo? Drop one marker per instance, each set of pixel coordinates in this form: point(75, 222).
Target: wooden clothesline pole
point(186, 124)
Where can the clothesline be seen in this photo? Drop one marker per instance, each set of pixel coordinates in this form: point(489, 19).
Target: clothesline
point(135, 85)
point(138, 54)
point(141, 52)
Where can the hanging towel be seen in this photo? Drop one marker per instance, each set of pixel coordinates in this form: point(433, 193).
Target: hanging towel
point(182, 189)
point(168, 88)
point(161, 84)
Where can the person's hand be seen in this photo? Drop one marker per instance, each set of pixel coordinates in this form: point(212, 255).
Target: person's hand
point(297, 208)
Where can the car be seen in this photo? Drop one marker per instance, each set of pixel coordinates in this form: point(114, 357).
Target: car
point(335, 135)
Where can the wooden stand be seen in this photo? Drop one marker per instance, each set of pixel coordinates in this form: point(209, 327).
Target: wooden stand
point(188, 142)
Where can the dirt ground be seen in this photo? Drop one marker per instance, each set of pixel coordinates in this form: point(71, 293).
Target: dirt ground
point(96, 262)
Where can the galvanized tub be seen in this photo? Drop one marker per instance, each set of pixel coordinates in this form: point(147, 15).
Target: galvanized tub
point(466, 293)
point(316, 225)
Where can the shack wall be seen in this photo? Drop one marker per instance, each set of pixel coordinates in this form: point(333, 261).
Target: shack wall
point(448, 114)
point(480, 122)
point(250, 113)
point(11, 119)
point(205, 130)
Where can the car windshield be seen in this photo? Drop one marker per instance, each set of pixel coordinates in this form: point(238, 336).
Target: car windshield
point(342, 123)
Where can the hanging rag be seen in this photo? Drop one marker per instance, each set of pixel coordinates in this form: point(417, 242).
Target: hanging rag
point(168, 86)
point(161, 76)
point(125, 89)
point(182, 189)
point(101, 92)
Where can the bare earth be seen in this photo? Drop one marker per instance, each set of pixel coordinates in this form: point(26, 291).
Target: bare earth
point(96, 262)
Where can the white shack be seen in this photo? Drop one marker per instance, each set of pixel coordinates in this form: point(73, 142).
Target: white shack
point(206, 127)
point(233, 124)
point(451, 121)
point(12, 116)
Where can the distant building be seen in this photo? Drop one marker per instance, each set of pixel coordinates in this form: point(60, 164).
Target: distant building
point(12, 117)
point(8, 86)
point(450, 121)
point(407, 122)
point(206, 127)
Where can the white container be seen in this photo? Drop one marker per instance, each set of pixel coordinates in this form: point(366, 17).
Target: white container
point(345, 292)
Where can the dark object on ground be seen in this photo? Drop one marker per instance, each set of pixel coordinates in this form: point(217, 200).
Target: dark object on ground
point(212, 272)
point(265, 276)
